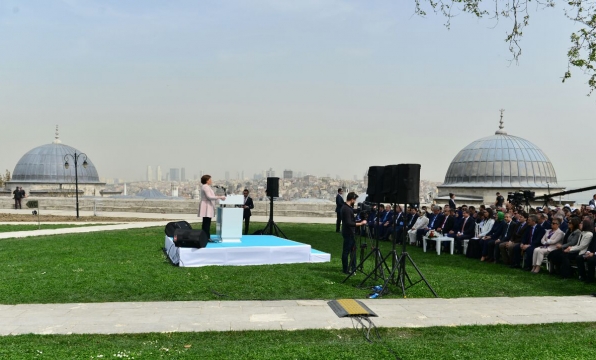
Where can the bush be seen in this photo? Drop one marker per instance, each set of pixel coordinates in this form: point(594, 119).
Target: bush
point(32, 204)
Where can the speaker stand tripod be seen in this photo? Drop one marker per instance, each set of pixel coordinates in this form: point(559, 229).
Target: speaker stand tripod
point(271, 228)
point(399, 268)
point(378, 271)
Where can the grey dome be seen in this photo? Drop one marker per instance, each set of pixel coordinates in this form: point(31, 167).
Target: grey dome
point(501, 160)
point(45, 164)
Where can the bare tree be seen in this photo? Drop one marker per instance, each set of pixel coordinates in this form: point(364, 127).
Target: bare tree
point(582, 52)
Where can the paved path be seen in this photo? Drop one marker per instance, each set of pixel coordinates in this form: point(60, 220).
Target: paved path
point(81, 229)
point(185, 316)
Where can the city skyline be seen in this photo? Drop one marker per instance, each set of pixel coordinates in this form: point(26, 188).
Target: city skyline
point(317, 87)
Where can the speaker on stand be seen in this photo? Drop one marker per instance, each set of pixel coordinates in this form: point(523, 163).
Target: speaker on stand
point(272, 192)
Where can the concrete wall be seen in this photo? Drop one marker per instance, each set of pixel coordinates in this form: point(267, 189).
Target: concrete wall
point(106, 205)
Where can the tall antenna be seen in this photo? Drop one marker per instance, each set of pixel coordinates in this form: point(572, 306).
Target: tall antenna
point(501, 126)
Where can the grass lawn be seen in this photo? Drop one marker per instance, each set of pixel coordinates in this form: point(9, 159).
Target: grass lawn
point(552, 341)
point(27, 227)
point(130, 266)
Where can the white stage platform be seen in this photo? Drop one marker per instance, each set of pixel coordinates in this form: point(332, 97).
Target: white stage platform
point(251, 250)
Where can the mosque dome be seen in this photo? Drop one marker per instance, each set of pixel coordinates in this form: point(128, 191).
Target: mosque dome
point(45, 164)
point(501, 161)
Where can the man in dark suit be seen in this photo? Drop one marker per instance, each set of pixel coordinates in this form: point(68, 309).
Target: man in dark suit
point(506, 248)
point(509, 228)
point(466, 231)
point(434, 222)
point(248, 205)
point(339, 201)
point(448, 221)
point(452, 204)
point(530, 241)
point(398, 224)
point(412, 217)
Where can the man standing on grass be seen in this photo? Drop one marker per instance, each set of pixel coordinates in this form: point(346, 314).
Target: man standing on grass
point(348, 231)
point(339, 201)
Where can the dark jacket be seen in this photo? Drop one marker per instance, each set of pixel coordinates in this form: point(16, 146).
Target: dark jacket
point(447, 224)
point(435, 221)
point(411, 220)
point(496, 230)
point(348, 224)
point(508, 231)
point(520, 233)
point(469, 227)
point(535, 237)
point(339, 201)
point(251, 205)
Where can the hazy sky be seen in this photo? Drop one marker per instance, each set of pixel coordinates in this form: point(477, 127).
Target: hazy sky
point(325, 87)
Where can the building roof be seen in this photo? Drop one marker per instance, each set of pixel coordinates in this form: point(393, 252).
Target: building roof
point(501, 160)
point(45, 164)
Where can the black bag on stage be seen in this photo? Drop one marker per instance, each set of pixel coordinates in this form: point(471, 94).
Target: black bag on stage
point(190, 238)
point(172, 226)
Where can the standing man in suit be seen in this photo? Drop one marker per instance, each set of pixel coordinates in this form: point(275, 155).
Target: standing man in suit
point(339, 201)
point(452, 204)
point(248, 205)
point(593, 201)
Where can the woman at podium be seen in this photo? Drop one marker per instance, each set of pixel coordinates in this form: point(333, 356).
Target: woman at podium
point(207, 204)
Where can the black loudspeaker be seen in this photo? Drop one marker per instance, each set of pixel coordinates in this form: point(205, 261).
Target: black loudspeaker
point(389, 189)
point(408, 184)
point(172, 226)
point(375, 184)
point(273, 186)
point(190, 238)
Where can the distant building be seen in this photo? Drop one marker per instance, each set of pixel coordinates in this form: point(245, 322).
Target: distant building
point(227, 176)
point(182, 174)
point(270, 173)
point(42, 171)
point(159, 177)
point(149, 176)
point(174, 174)
point(288, 174)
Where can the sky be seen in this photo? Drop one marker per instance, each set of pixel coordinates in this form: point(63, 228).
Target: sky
point(321, 87)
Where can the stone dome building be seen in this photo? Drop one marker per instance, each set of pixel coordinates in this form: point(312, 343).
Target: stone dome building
point(498, 163)
point(41, 172)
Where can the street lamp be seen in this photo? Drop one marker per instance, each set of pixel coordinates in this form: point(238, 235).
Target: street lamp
point(76, 157)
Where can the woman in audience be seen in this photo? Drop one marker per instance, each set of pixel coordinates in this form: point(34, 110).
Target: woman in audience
point(488, 224)
point(555, 257)
point(419, 224)
point(549, 243)
point(571, 252)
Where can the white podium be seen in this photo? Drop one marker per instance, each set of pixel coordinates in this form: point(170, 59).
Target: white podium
point(229, 219)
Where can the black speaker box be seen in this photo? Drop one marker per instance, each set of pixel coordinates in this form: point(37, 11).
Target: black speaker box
point(375, 184)
point(390, 183)
point(172, 226)
point(273, 186)
point(408, 184)
point(190, 238)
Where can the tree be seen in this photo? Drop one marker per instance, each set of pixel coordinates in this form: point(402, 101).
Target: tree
point(7, 176)
point(582, 52)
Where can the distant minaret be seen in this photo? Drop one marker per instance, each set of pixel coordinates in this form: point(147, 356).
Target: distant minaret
point(57, 137)
point(125, 189)
point(501, 127)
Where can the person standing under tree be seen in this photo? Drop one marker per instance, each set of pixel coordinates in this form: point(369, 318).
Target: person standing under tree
point(339, 201)
point(348, 232)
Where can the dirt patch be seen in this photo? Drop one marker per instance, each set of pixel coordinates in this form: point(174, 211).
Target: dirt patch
point(54, 218)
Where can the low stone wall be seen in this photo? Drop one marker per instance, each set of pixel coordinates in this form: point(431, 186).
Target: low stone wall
point(107, 205)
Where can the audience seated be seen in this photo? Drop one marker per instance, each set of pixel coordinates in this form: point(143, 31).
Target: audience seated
point(571, 238)
point(421, 222)
point(548, 243)
point(506, 248)
point(491, 236)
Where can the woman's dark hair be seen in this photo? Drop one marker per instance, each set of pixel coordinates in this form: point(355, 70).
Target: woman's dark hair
point(205, 178)
point(490, 213)
point(588, 225)
point(574, 223)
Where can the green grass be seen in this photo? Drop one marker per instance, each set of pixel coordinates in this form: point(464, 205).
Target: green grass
point(28, 227)
point(552, 341)
point(130, 266)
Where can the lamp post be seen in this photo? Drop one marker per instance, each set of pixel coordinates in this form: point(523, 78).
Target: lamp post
point(75, 158)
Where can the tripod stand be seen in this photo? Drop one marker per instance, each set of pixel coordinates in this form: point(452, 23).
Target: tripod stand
point(271, 228)
point(399, 267)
